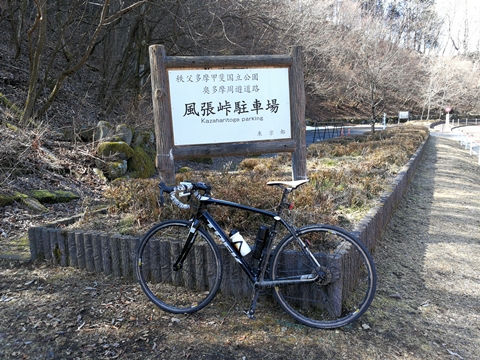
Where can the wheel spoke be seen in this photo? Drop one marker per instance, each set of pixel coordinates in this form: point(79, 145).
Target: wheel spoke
point(346, 288)
point(178, 289)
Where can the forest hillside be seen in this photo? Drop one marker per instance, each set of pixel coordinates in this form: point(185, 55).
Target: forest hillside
point(81, 62)
point(66, 66)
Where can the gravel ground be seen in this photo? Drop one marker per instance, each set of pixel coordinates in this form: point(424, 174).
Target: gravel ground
point(428, 259)
point(427, 304)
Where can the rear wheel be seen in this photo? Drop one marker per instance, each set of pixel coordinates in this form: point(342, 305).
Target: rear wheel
point(346, 283)
point(178, 288)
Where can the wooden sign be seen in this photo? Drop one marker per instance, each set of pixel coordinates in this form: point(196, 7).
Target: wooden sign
point(207, 106)
point(229, 105)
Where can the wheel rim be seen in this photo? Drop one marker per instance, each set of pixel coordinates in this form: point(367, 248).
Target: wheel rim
point(193, 285)
point(335, 299)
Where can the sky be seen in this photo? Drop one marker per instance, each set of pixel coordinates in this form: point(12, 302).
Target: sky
point(460, 15)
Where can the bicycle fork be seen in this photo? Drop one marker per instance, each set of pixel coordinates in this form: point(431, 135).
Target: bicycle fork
point(187, 247)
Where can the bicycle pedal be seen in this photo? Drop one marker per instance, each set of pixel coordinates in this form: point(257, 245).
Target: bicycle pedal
point(250, 314)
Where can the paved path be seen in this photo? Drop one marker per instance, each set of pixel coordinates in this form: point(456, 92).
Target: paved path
point(453, 133)
point(467, 136)
point(428, 259)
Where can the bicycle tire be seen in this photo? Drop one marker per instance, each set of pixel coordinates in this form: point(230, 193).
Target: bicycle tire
point(185, 290)
point(342, 295)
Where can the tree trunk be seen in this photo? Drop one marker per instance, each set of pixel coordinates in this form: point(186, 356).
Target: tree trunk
point(17, 15)
point(35, 52)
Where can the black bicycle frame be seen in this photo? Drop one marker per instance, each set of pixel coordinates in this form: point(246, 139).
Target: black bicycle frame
point(256, 278)
point(224, 237)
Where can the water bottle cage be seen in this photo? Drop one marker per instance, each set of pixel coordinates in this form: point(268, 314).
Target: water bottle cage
point(238, 245)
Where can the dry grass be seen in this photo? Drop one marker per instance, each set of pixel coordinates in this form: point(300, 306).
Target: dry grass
point(347, 175)
point(426, 305)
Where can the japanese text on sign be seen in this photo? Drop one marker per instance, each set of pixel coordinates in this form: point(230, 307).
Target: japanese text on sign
point(229, 105)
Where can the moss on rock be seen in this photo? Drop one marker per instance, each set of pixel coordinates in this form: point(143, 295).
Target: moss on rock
point(115, 169)
point(100, 174)
point(184, 169)
point(53, 196)
point(6, 199)
point(145, 139)
point(66, 196)
point(140, 164)
point(119, 149)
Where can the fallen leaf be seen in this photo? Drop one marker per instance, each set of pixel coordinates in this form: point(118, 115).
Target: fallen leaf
point(454, 354)
point(396, 296)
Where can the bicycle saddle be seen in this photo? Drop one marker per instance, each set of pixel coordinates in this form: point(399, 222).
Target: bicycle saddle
point(289, 184)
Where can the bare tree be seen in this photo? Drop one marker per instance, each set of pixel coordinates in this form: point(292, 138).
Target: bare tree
point(452, 81)
point(186, 27)
point(414, 24)
point(36, 42)
point(17, 11)
point(374, 65)
point(76, 13)
point(362, 55)
point(354, 54)
point(460, 29)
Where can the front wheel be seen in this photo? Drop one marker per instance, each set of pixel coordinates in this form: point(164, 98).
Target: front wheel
point(176, 279)
point(332, 291)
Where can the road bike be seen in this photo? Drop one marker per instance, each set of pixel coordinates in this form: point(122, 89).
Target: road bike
point(320, 274)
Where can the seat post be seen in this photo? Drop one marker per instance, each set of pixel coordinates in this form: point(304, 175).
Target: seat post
point(283, 201)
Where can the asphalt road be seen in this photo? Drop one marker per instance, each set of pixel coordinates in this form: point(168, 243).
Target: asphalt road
point(324, 133)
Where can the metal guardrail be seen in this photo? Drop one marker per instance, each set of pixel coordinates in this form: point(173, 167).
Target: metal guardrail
point(464, 122)
point(327, 130)
point(467, 140)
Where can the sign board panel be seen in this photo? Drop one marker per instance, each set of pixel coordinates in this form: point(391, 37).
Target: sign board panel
point(403, 115)
point(229, 105)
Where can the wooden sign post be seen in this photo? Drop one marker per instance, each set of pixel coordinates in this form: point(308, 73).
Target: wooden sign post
point(227, 106)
